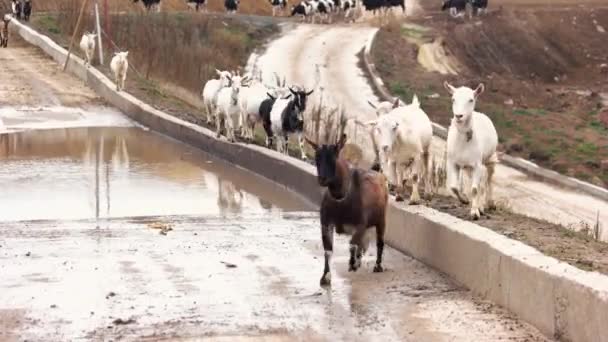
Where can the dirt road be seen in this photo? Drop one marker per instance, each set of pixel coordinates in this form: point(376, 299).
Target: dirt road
point(35, 93)
point(246, 278)
point(334, 48)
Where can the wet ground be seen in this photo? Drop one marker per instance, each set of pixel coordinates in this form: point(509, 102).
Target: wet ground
point(122, 234)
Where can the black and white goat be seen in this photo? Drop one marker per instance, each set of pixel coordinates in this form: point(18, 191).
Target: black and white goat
point(479, 6)
point(149, 4)
point(231, 6)
point(278, 6)
point(197, 4)
point(287, 118)
point(303, 9)
point(457, 8)
point(16, 8)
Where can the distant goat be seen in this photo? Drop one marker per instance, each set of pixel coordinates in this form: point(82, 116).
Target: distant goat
point(278, 6)
point(4, 31)
point(17, 9)
point(27, 10)
point(231, 6)
point(456, 8)
point(479, 6)
point(210, 91)
point(87, 45)
point(149, 4)
point(251, 100)
point(119, 66)
point(471, 147)
point(404, 138)
point(355, 200)
point(303, 9)
point(197, 4)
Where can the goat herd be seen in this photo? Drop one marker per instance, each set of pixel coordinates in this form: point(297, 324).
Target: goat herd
point(356, 199)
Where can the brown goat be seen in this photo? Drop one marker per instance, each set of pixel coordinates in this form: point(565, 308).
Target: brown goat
point(4, 32)
point(355, 200)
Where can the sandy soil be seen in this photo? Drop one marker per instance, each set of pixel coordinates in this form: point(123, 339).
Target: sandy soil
point(242, 278)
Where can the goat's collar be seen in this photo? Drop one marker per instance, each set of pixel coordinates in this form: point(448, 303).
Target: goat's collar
point(467, 132)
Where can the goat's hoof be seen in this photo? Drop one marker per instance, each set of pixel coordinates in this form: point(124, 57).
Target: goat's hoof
point(491, 206)
point(414, 201)
point(326, 279)
point(399, 198)
point(378, 269)
point(475, 215)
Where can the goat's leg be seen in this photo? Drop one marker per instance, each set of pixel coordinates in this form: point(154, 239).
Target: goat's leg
point(427, 173)
point(380, 229)
point(301, 144)
point(415, 167)
point(229, 124)
point(327, 235)
point(218, 124)
point(453, 181)
point(356, 249)
point(400, 182)
point(490, 188)
point(476, 174)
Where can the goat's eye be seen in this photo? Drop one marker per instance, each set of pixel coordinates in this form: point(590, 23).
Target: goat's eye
point(471, 101)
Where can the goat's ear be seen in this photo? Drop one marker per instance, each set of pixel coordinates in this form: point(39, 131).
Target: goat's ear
point(396, 102)
point(480, 88)
point(372, 104)
point(449, 87)
point(292, 91)
point(287, 97)
point(271, 97)
point(311, 143)
point(341, 141)
point(310, 92)
point(415, 101)
point(219, 73)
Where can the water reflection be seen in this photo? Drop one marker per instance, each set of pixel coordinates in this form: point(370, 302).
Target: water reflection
point(115, 172)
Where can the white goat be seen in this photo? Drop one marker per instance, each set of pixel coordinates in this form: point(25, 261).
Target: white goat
point(404, 137)
point(471, 146)
point(228, 107)
point(119, 66)
point(87, 45)
point(382, 108)
point(210, 91)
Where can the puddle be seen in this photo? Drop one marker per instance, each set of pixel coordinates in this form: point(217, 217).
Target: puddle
point(49, 117)
point(84, 173)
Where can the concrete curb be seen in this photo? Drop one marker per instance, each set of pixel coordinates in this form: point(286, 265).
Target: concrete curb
point(561, 300)
point(520, 164)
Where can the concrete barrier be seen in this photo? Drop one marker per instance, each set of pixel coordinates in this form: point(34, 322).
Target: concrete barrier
point(560, 300)
point(520, 164)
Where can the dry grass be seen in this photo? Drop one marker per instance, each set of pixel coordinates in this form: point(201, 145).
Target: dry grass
point(176, 48)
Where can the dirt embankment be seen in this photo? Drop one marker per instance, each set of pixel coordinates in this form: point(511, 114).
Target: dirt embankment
point(545, 71)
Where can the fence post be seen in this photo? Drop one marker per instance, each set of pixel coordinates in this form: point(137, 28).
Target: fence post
point(84, 4)
point(98, 32)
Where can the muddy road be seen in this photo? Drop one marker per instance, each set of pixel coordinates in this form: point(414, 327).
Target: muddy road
point(344, 83)
point(116, 233)
point(35, 93)
point(122, 234)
